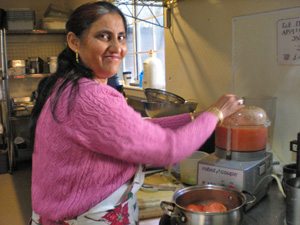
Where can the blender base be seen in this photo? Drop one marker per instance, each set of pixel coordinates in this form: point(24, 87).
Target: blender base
point(251, 176)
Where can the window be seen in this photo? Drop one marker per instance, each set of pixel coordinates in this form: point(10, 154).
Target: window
point(145, 32)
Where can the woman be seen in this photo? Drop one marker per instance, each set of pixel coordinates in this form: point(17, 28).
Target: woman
point(88, 143)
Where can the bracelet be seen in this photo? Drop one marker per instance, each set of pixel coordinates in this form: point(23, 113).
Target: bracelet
point(218, 112)
point(192, 116)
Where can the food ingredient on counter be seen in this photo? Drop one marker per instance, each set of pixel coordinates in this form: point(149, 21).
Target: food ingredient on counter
point(209, 207)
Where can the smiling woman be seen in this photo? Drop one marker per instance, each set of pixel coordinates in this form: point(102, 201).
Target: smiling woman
point(87, 164)
point(102, 47)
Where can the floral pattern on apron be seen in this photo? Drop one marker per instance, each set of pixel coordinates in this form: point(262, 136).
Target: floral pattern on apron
point(122, 213)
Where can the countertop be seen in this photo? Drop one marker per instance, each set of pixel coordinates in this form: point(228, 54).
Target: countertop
point(269, 211)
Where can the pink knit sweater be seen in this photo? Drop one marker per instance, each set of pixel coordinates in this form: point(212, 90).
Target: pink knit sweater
point(98, 146)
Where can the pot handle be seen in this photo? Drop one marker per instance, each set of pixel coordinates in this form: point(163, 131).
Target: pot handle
point(167, 207)
point(252, 196)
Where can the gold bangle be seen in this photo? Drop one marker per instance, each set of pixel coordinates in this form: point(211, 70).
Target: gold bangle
point(218, 112)
point(192, 116)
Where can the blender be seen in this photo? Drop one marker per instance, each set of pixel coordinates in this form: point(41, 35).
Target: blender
point(240, 160)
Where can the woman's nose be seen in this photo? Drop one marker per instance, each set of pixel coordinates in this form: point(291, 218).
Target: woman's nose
point(115, 45)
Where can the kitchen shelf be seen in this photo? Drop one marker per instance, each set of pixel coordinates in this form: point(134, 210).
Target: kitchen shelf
point(36, 32)
point(29, 76)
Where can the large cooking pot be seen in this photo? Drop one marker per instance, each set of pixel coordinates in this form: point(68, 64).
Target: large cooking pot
point(234, 200)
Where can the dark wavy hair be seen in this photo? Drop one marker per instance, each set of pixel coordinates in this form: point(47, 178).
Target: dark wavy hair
point(69, 72)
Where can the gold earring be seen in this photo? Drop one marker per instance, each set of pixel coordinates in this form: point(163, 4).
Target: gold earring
point(76, 52)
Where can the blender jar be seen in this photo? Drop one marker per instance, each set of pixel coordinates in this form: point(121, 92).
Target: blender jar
point(244, 131)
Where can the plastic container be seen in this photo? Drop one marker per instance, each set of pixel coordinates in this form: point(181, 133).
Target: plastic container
point(153, 73)
point(20, 143)
point(52, 61)
point(53, 23)
point(127, 77)
point(189, 168)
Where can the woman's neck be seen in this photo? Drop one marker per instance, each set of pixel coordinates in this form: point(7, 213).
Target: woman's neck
point(99, 80)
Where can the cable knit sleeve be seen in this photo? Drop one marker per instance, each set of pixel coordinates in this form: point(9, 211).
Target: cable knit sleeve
point(104, 123)
point(172, 122)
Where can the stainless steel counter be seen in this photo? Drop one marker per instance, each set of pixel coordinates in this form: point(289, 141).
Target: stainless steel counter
point(269, 211)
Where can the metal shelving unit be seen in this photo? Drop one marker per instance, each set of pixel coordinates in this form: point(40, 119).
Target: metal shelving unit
point(8, 120)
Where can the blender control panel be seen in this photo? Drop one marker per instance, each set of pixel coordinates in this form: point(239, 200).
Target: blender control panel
point(241, 175)
point(210, 174)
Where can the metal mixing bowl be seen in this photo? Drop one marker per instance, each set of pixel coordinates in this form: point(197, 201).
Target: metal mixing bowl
point(161, 109)
point(157, 95)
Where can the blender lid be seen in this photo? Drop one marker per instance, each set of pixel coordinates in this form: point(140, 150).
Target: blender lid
point(248, 116)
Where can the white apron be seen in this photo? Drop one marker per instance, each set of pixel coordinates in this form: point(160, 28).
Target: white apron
point(119, 208)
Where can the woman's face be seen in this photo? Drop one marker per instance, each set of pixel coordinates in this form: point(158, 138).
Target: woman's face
point(103, 46)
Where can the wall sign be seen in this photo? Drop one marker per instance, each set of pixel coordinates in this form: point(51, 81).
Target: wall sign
point(288, 41)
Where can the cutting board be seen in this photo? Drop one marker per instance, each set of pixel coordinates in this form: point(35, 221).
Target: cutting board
point(149, 201)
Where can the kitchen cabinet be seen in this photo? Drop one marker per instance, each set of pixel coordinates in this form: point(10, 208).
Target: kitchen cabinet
point(22, 45)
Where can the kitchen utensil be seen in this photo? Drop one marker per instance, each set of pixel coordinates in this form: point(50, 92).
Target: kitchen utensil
point(188, 168)
point(36, 65)
point(234, 200)
point(157, 95)
point(161, 109)
point(151, 187)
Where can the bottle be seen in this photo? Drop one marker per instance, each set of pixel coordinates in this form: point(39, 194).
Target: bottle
point(153, 73)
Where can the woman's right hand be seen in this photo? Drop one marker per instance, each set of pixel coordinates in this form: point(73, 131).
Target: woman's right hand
point(228, 104)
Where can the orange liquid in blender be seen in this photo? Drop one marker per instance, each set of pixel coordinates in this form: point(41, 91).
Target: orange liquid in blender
point(242, 138)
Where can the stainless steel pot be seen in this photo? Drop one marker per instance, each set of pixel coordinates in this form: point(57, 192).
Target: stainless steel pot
point(234, 200)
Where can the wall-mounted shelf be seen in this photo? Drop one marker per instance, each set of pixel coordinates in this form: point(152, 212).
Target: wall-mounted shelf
point(38, 32)
point(29, 76)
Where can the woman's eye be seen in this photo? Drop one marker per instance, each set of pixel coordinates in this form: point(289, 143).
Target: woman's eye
point(103, 36)
point(122, 38)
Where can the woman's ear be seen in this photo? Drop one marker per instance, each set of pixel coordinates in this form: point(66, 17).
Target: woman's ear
point(73, 41)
